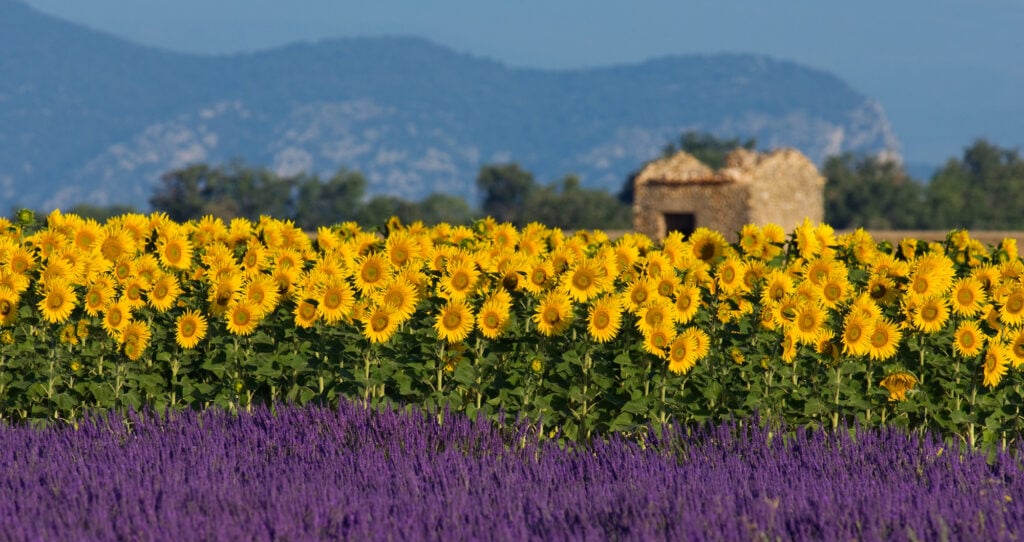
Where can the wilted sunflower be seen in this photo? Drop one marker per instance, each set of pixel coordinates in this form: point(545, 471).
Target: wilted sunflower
point(997, 359)
point(454, 322)
point(968, 341)
point(898, 384)
point(604, 318)
point(553, 314)
point(242, 317)
point(884, 340)
point(190, 328)
point(58, 301)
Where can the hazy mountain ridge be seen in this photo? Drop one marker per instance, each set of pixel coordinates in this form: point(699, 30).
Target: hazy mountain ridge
point(89, 117)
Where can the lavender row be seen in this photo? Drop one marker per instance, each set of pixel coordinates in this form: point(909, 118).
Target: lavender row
point(350, 473)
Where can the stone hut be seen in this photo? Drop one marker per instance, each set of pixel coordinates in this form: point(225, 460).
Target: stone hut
point(680, 193)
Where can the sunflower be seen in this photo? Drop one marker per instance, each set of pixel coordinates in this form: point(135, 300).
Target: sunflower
point(586, 279)
point(657, 313)
point(638, 293)
point(932, 276)
point(116, 243)
point(996, 361)
point(223, 293)
point(372, 271)
point(306, 313)
point(657, 263)
point(1012, 312)
point(883, 340)
point(730, 275)
point(967, 297)
point(135, 337)
point(682, 354)
point(21, 260)
point(242, 317)
point(835, 290)
point(190, 329)
point(776, 287)
point(261, 290)
point(86, 235)
point(401, 294)
point(175, 252)
point(1016, 349)
point(790, 347)
point(493, 316)
point(666, 285)
point(751, 239)
point(164, 293)
point(968, 340)
point(808, 323)
point(604, 318)
point(857, 334)
point(58, 301)
point(455, 322)
point(898, 384)
point(133, 290)
point(380, 323)
point(882, 289)
point(539, 277)
point(931, 314)
point(553, 314)
point(459, 280)
point(97, 296)
point(401, 249)
point(687, 302)
point(657, 340)
point(707, 245)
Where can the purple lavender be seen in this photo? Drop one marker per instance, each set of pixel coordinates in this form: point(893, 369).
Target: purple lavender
point(316, 473)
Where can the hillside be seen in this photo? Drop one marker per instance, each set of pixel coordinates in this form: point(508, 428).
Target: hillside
point(87, 117)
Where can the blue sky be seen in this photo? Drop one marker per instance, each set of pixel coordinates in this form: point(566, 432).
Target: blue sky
point(945, 71)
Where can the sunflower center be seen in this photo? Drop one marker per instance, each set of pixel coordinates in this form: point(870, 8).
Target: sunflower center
point(853, 334)
point(19, 265)
point(539, 276)
point(728, 275)
point(188, 328)
point(665, 288)
point(115, 317)
point(173, 253)
point(705, 251)
point(921, 285)
point(55, 300)
point(831, 292)
point(256, 295)
point(930, 313)
point(878, 291)
point(332, 300)
point(655, 318)
point(807, 322)
point(1015, 303)
point(967, 340)
point(491, 320)
point(659, 340)
point(965, 297)
point(307, 311)
point(5, 307)
point(452, 320)
point(460, 280)
point(602, 320)
point(879, 338)
point(684, 302)
point(582, 280)
point(241, 317)
point(551, 315)
point(371, 273)
point(639, 296)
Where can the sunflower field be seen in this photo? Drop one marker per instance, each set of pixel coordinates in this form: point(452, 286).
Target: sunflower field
point(581, 333)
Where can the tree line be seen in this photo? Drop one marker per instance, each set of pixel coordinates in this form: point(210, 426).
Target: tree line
point(981, 190)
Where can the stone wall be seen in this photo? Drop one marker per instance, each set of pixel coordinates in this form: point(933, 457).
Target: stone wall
point(720, 206)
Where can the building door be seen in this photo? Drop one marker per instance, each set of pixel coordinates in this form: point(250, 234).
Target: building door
point(684, 223)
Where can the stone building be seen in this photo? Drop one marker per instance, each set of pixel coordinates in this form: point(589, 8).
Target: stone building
point(680, 193)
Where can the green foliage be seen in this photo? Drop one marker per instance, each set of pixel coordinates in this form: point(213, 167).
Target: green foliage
point(871, 192)
point(984, 190)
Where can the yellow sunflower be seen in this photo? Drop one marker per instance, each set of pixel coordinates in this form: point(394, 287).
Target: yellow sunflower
point(658, 340)
point(682, 354)
point(835, 290)
point(883, 340)
point(657, 313)
point(372, 271)
point(967, 297)
point(638, 293)
point(8, 305)
point(553, 314)
point(586, 280)
point(401, 294)
point(493, 316)
point(135, 336)
point(1016, 349)
point(306, 313)
point(808, 323)
point(776, 287)
point(190, 328)
point(164, 293)
point(1012, 311)
point(882, 289)
point(707, 245)
point(455, 322)
point(262, 291)
point(21, 260)
point(336, 300)
point(604, 318)
point(968, 340)
point(223, 293)
point(242, 317)
point(175, 252)
point(997, 359)
point(539, 277)
point(59, 299)
point(97, 296)
point(380, 323)
point(401, 249)
point(856, 336)
point(687, 302)
point(730, 275)
point(133, 291)
point(931, 314)
point(459, 280)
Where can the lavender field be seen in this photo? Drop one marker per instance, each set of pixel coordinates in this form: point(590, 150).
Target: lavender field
point(351, 473)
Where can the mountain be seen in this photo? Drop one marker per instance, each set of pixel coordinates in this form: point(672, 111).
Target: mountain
point(88, 117)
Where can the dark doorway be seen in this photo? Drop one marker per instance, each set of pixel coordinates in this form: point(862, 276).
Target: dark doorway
point(684, 223)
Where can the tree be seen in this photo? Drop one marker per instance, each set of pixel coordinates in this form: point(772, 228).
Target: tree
point(984, 190)
point(871, 192)
point(199, 190)
point(338, 199)
point(568, 205)
point(506, 188)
